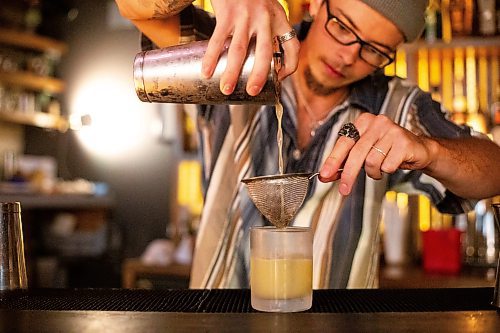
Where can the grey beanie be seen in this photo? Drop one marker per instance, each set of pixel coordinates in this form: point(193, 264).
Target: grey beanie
point(407, 15)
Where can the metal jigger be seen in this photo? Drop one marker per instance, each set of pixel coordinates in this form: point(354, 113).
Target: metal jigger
point(12, 264)
point(496, 295)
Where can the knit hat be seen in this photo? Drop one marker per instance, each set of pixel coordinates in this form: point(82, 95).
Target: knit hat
point(407, 15)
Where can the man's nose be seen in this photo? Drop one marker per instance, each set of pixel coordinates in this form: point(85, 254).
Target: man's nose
point(350, 53)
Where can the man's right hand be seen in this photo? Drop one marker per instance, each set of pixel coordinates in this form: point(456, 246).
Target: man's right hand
point(244, 19)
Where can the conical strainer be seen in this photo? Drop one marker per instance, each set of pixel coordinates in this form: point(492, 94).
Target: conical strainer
point(279, 197)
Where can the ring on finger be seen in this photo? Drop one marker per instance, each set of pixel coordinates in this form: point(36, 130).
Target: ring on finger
point(379, 150)
point(350, 131)
point(287, 36)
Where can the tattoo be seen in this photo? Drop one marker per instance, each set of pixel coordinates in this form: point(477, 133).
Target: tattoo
point(315, 86)
point(167, 8)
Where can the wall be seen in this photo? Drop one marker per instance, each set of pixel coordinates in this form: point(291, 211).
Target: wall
point(139, 167)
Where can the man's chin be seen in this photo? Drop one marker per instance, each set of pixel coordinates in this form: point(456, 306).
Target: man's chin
point(320, 87)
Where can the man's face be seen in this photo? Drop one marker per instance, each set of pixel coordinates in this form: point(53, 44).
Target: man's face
point(333, 65)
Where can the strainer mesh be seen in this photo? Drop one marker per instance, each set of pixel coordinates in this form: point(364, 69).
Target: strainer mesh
point(278, 198)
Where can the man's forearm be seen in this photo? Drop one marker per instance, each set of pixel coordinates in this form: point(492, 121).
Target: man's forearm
point(468, 167)
point(151, 9)
point(164, 32)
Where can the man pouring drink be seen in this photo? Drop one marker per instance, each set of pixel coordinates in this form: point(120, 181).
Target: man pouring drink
point(339, 112)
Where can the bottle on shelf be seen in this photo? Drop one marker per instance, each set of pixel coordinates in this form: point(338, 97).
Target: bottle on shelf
point(486, 14)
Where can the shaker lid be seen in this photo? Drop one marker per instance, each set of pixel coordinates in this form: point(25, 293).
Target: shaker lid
point(10, 207)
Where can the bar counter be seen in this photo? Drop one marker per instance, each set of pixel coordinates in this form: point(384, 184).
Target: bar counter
point(229, 310)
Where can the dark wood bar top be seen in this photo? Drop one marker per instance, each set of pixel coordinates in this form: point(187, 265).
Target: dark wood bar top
point(229, 310)
point(152, 322)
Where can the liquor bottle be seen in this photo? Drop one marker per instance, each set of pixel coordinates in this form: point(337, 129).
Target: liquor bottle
point(487, 13)
point(457, 17)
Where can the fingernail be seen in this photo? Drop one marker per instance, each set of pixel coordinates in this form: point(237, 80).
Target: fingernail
point(205, 73)
point(326, 171)
point(227, 90)
point(254, 90)
point(344, 189)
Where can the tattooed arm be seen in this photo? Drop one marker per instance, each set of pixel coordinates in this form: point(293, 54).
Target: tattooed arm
point(158, 20)
point(147, 9)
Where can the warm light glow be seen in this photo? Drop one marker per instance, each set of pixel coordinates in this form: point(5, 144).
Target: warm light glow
point(447, 221)
point(207, 5)
point(435, 74)
point(477, 122)
point(402, 200)
point(447, 87)
point(116, 126)
point(401, 67)
point(390, 196)
point(189, 192)
point(436, 219)
point(423, 69)
point(424, 216)
point(471, 91)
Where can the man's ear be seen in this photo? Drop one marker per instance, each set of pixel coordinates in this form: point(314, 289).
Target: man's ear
point(314, 7)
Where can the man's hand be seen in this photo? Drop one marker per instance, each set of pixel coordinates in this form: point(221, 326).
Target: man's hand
point(383, 147)
point(244, 19)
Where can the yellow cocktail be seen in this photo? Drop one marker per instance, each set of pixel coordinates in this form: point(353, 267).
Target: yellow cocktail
point(281, 278)
point(281, 267)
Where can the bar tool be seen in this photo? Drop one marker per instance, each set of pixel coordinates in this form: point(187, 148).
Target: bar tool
point(12, 263)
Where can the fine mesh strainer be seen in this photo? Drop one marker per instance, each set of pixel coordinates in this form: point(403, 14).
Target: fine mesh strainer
point(279, 197)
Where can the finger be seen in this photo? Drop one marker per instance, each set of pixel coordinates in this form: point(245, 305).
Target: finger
point(290, 57)
point(214, 49)
point(263, 56)
point(357, 154)
point(353, 164)
point(335, 160)
point(376, 156)
point(235, 59)
point(402, 156)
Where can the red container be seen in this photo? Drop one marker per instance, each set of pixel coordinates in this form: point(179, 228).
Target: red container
point(441, 251)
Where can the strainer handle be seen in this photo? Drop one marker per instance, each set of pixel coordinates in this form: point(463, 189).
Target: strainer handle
point(313, 175)
point(317, 173)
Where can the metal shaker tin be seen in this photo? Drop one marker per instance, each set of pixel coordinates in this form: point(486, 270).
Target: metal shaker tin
point(173, 75)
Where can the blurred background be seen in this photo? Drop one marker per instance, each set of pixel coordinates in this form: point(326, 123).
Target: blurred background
point(110, 186)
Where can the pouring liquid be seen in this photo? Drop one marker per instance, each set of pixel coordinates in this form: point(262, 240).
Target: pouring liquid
point(279, 139)
point(279, 136)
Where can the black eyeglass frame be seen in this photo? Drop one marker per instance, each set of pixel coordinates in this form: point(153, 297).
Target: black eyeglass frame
point(331, 17)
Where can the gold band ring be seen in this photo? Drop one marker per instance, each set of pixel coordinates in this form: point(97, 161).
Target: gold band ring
point(287, 36)
point(379, 150)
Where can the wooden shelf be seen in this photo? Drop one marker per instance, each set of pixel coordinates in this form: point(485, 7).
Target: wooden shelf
point(38, 119)
point(32, 81)
point(32, 41)
point(60, 201)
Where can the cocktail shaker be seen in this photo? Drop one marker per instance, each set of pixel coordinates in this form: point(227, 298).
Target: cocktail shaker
point(12, 263)
point(173, 75)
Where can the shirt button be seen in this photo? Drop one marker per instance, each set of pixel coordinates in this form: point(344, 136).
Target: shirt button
point(296, 154)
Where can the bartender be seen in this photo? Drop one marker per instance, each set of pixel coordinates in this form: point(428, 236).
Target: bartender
point(340, 111)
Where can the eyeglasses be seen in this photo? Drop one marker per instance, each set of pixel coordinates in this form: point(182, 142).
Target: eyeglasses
point(346, 36)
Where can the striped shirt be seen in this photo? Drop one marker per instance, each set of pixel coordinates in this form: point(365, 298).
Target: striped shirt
point(238, 142)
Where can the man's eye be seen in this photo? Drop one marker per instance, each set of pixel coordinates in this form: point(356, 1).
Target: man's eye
point(372, 51)
point(343, 28)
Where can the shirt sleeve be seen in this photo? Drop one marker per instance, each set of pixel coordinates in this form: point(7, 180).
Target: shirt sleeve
point(428, 117)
